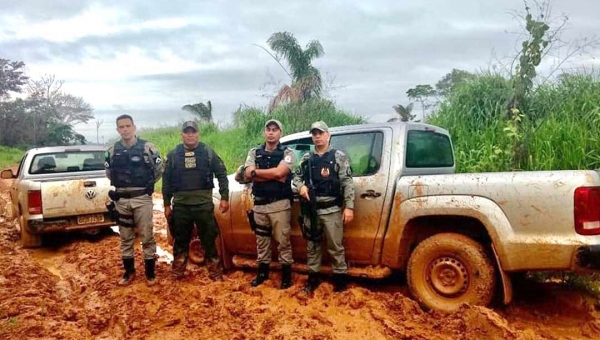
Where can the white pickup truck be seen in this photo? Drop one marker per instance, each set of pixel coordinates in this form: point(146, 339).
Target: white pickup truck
point(59, 189)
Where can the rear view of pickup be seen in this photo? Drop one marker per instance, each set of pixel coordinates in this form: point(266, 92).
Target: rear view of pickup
point(59, 189)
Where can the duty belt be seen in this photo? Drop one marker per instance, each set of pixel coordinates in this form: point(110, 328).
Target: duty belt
point(325, 205)
point(116, 195)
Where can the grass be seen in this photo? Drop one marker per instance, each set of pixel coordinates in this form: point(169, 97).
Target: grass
point(10, 156)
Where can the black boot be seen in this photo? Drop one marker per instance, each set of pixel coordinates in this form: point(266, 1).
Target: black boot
point(150, 276)
point(129, 265)
point(286, 276)
point(339, 282)
point(262, 275)
point(312, 283)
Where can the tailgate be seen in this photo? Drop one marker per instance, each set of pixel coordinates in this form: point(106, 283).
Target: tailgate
point(74, 197)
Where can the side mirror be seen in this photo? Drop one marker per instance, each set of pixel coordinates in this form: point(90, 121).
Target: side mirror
point(7, 174)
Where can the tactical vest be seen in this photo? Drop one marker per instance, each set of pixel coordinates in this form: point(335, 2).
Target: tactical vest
point(271, 190)
point(192, 169)
point(324, 172)
point(129, 167)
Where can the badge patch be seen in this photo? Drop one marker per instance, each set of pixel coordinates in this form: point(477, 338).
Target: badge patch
point(190, 162)
point(324, 172)
point(135, 159)
point(189, 153)
point(158, 161)
point(287, 159)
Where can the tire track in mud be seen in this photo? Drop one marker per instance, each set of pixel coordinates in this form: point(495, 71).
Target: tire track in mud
point(80, 300)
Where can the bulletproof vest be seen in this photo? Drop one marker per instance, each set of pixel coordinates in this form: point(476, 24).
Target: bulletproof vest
point(192, 169)
point(129, 167)
point(273, 190)
point(324, 172)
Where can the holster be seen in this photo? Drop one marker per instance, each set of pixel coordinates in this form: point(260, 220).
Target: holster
point(253, 225)
point(171, 223)
point(258, 230)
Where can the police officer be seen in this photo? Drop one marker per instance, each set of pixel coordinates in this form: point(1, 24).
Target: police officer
point(269, 167)
point(189, 172)
point(328, 171)
point(133, 166)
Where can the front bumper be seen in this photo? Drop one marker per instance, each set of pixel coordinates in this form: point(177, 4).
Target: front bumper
point(588, 257)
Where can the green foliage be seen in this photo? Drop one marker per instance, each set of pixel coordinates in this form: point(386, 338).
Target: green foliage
point(421, 93)
point(404, 113)
point(451, 81)
point(12, 77)
point(306, 79)
point(563, 121)
point(10, 156)
point(203, 111)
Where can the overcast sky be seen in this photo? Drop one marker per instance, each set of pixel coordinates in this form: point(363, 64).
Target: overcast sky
point(149, 57)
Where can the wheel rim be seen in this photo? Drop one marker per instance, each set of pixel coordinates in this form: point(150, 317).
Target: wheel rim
point(448, 276)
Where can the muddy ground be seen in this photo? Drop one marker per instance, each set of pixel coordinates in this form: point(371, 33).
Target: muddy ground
point(67, 290)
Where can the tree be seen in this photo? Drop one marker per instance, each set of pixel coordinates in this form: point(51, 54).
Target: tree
point(306, 79)
point(421, 93)
point(204, 112)
point(451, 80)
point(11, 77)
point(63, 107)
point(404, 113)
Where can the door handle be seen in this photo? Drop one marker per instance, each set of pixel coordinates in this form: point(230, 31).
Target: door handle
point(370, 193)
point(88, 184)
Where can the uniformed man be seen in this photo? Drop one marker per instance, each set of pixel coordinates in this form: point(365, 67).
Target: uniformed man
point(269, 167)
point(190, 170)
point(133, 166)
point(328, 172)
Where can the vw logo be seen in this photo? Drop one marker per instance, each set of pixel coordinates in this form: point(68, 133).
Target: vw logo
point(90, 194)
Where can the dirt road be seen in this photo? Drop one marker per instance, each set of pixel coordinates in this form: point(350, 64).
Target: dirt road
point(67, 290)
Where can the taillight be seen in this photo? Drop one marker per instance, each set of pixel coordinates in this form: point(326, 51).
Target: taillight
point(587, 210)
point(35, 201)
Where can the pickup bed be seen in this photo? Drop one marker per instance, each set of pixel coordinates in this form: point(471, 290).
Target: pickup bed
point(58, 189)
point(458, 237)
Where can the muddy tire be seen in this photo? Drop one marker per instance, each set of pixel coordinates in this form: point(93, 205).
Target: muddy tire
point(196, 253)
point(447, 270)
point(28, 240)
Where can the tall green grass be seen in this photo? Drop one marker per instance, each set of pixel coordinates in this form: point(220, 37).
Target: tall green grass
point(560, 124)
point(10, 156)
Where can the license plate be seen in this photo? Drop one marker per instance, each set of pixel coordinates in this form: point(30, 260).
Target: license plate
point(90, 219)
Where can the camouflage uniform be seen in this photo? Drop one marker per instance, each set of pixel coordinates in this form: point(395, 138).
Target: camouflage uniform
point(138, 206)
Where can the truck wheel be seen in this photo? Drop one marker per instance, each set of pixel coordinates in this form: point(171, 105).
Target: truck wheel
point(28, 240)
point(446, 270)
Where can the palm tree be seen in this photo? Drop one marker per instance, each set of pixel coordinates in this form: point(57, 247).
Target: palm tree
point(306, 79)
point(204, 112)
point(404, 112)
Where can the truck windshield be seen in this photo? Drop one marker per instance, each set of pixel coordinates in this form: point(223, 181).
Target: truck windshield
point(428, 149)
point(60, 162)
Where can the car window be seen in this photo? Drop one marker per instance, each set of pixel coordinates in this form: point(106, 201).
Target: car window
point(363, 150)
point(428, 149)
point(60, 162)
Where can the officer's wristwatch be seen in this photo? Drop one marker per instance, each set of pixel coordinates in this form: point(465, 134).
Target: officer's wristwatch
point(252, 173)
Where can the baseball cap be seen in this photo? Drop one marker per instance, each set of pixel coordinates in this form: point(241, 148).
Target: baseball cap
point(276, 122)
point(320, 125)
point(190, 124)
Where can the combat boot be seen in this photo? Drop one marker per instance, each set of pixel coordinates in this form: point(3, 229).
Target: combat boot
point(339, 282)
point(129, 265)
point(149, 265)
point(312, 283)
point(286, 276)
point(262, 275)
point(178, 266)
point(215, 271)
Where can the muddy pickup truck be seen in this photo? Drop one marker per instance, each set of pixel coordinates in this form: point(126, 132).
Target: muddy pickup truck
point(457, 237)
point(58, 189)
